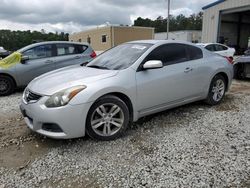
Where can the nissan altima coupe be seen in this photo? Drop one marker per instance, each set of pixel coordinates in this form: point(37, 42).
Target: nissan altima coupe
point(125, 83)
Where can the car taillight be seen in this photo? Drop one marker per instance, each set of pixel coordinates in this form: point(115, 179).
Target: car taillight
point(230, 60)
point(93, 54)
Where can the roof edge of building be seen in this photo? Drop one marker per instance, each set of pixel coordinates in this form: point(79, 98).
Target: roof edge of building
point(212, 4)
point(181, 31)
point(133, 27)
point(110, 26)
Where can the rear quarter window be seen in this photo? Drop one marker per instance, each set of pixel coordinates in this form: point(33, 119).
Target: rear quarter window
point(210, 47)
point(194, 52)
point(220, 47)
point(81, 48)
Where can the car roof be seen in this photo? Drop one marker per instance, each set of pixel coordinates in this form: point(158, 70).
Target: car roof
point(201, 44)
point(58, 42)
point(51, 42)
point(205, 44)
point(155, 42)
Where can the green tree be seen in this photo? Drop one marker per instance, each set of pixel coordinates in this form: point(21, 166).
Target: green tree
point(180, 22)
point(14, 40)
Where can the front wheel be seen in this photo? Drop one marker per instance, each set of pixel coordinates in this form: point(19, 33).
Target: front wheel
point(7, 85)
point(217, 90)
point(107, 119)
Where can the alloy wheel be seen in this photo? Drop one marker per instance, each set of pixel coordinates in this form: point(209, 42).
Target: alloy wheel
point(218, 90)
point(107, 119)
point(3, 85)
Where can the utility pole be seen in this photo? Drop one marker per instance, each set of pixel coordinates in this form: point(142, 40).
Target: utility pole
point(168, 18)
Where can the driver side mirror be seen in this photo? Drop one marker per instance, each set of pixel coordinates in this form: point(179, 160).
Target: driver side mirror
point(24, 59)
point(153, 64)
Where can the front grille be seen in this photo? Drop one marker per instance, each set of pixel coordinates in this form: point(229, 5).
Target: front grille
point(31, 97)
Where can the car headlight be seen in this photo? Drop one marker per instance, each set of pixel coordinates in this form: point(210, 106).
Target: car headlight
point(63, 97)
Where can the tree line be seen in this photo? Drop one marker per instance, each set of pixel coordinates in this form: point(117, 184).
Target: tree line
point(14, 40)
point(176, 23)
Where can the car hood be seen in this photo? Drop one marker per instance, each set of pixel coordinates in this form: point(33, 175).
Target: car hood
point(52, 82)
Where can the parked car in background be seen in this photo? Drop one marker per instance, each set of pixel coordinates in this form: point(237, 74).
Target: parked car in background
point(242, 66)
point(220, 49)
point(3, 53)
point(40, 58)
point(121, 85)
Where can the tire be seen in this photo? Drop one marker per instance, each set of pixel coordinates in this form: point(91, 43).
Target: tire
point(7, 85)
point(239, 72)
point(107, 119)
point(217, 90)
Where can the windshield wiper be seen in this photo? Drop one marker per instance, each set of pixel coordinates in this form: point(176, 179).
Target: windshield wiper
point(84, 64)
point(98, 67)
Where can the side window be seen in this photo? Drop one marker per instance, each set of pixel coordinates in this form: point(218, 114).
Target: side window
point(81, 48)
point(38, 52)
point(169, 54)
point(194, 52)
point(220, 47)
point(210, 47)
point(66, 49)
point(224, 47)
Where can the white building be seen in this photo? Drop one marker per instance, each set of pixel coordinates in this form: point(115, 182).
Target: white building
point(185, 35)
point(227, 21)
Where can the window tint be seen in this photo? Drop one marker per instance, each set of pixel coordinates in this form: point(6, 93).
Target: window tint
point(42, 51)
point(194, 52)
point(81, 48)
point(169, 54)
point(210, 47)
point(220, 47)
point(66, 49)
point(224, 48)
point(104, 38)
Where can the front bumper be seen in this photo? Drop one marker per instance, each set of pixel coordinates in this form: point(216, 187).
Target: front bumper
point(70, 119)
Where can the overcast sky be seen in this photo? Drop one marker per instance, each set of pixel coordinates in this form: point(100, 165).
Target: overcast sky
point(76, 15)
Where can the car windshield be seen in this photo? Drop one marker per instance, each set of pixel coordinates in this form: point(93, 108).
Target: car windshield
point(120, 57)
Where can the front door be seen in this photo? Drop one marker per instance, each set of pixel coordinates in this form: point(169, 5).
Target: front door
point(40, 61)
point(177, 81)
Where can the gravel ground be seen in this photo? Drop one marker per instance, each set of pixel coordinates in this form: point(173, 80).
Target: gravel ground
point(191, 146)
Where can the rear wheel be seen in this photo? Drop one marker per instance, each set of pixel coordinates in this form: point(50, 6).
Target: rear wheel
point(107, 119)
point(7, 85)
point(217, 90)
point(239, 71)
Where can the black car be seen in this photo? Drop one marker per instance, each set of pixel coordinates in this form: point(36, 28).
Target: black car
point(242, 66)
point(3, 53)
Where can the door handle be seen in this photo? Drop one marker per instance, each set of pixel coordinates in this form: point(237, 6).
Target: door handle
point(77, 57)
point(188, 69)
point(48, 61)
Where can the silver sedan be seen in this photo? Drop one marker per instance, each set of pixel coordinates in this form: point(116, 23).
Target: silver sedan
point(120, 86)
